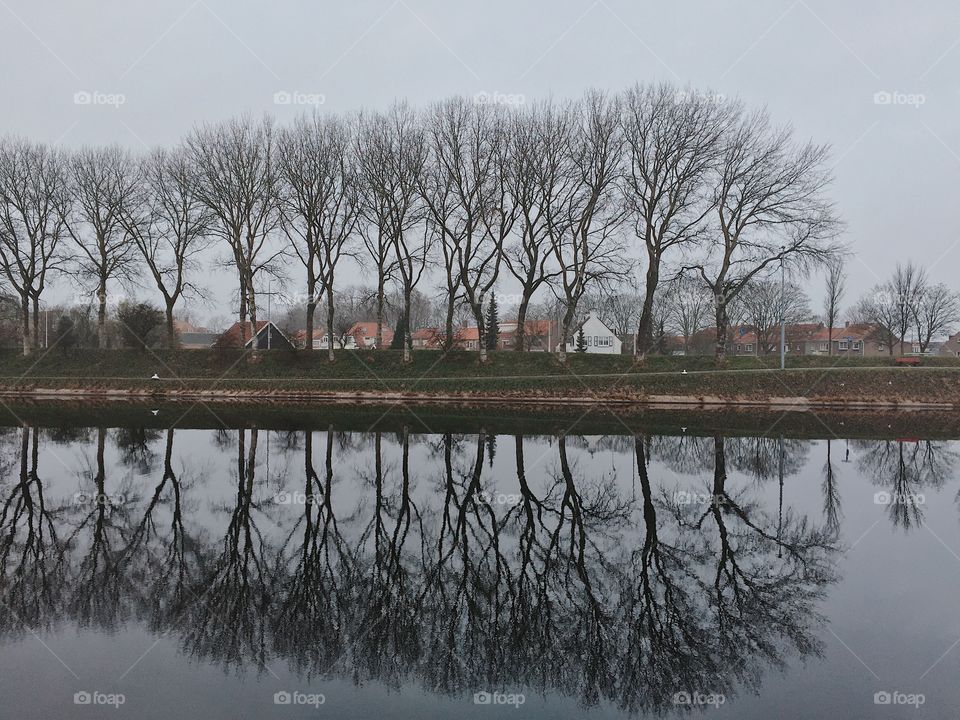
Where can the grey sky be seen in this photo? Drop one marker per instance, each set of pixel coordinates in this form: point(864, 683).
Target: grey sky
point(814, 63)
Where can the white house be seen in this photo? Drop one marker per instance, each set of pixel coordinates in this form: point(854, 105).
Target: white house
point(600, 338)
point(323, 342)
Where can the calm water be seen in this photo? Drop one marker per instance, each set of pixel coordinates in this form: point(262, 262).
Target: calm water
point(210, 570)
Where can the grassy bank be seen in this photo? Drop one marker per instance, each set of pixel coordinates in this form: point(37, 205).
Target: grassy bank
point(523, 419)
point(506, 375)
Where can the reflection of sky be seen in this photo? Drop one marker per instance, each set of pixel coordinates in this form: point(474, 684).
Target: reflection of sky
point(892, 606)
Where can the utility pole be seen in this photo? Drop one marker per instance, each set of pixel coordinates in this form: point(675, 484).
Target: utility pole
point(783, 313)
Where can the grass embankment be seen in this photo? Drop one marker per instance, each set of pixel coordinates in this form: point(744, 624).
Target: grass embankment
point(507, 375)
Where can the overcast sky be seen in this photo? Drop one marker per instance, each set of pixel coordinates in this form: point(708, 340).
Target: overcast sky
point(67, 65)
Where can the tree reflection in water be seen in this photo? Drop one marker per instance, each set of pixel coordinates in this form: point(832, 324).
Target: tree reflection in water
point(903, 469)
point(408, 567)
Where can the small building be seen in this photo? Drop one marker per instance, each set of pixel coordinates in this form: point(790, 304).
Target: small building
point(347, 342)
point(951, 346)
point(268, 337)
point(469, 338)
point(853, 340)
point(197, 340)
point(364, 335)
point(427, 338)
point(599, 338)
point(538, 335)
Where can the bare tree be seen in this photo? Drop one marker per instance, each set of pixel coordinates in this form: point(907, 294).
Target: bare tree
point(880, 308)
point(392, 153)
point(936, 311)
point(318, 203)
point(464, 195)
point(689, 304)
point(672, 141)
point(379, 249)
point(168, 223)
point(620, 309)
point(765, 306)
point(533, 170)
point(584, 219)
point(237, 181)
point(34, 202)
point(103, 180)
point(906, 288)
point(836, 287)
point(770, 207)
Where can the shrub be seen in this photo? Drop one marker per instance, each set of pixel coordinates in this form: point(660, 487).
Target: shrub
point(139, 323)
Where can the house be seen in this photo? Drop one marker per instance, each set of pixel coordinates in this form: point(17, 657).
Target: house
point(951, 346)
point(469, 338)
point(427, 338)
point(538, 335)
point(268, 337)
point(853, 339)
point(364, 335)
point(743, 342)
point(322, 342)
point(197, 340)
point(599, 338)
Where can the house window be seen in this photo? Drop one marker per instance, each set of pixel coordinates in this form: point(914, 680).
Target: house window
point(844, 344)
point(823, 347)
point(749, 348)
point(858, 344)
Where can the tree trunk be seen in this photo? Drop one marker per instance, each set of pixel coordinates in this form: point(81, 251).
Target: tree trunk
point(380, 283)
point(448, 338)
point(645, 328)
point(36, 322)
point(243, 314)
point(722, 321)
point(171, 330)
point(481, 331)
point(252, 307)
point(565, 332)
point(311, 311)
point(521, 336)
point(830, 341)
point(407, 354)
point(330, 355)
point(25, 318)
point(102, 315)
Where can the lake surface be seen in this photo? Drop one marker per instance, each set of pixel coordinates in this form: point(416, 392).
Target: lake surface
point(185, 561)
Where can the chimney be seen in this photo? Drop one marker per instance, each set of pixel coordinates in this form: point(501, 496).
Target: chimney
point(846, 324)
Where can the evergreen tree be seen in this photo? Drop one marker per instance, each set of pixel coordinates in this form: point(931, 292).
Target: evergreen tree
point(493, 323)
point(399, 335)
point(581, 341)
point(66, 335)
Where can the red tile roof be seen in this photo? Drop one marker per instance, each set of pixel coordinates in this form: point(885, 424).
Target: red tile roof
point(368, 329)
point(232, 337)
point(861, 331)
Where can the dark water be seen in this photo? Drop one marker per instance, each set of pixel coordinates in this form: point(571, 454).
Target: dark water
point(418, 570)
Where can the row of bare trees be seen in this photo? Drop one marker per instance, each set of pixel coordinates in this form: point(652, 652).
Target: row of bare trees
point(558, 196)
point(908, 304)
